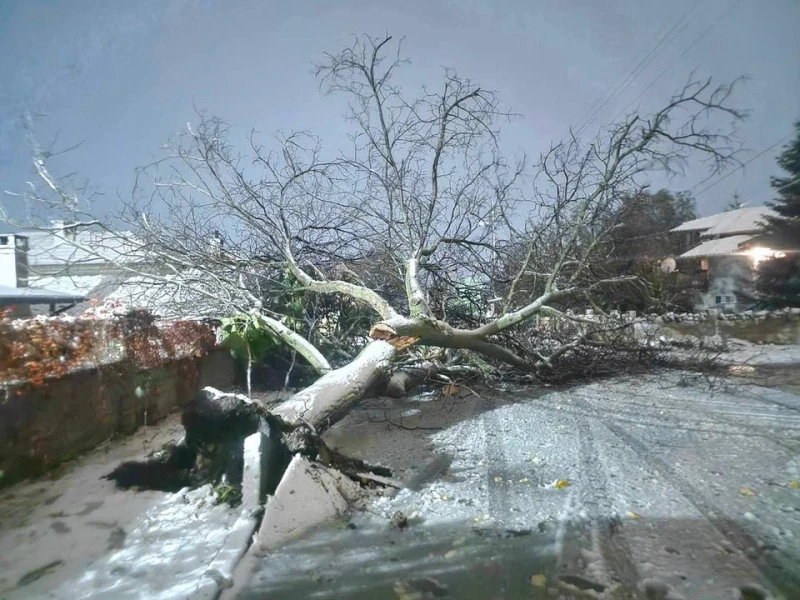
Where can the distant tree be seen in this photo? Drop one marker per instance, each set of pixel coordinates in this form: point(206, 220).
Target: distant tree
point(643, 221)
point(638, 242)
point(734, 204)
point(779, 278)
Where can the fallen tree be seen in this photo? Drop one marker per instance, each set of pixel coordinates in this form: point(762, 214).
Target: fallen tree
point(425, 192)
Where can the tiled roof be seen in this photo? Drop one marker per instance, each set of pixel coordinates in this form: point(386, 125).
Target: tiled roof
point(179, 296)
point(81, 285)
point(700, 224)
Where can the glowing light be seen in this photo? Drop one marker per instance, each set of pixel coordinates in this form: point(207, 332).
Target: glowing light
point(758, 255)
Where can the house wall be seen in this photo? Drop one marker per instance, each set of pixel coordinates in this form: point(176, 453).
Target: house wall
point(13, 260)
point(8, 266)
point(44, 425)
point(730, 284)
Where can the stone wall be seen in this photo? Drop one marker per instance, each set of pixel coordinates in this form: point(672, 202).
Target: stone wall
point(43, 425)
point(765, 327)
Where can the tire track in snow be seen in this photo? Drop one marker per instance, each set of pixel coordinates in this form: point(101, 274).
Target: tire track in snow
point(606, 539)
point(779, 578)
point(731, 427)
point(497, 463)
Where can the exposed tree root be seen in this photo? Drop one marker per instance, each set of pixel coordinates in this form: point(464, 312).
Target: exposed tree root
point(212, 450)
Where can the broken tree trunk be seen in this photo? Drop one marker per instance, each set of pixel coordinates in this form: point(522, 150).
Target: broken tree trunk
point(405, 379)
point(331, 397)
point(218, 424)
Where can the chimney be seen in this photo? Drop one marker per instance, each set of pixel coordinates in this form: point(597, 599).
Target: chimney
point(216, 243)
point(13, 260)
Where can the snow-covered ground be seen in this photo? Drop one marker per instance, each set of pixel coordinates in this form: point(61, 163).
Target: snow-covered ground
point(75, 536)
point(762, 354)
point(168, 554)
point(668, 479)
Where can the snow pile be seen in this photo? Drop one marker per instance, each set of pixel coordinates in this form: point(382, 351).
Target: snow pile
point(167, 556)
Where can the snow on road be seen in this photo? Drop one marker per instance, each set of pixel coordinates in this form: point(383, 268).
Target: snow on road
point(669, 483)
point(662, 481)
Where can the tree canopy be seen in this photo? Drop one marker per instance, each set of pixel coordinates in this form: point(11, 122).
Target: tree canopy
point(644, 221)
point(784, 229)
point(779, 278)
point(419, 208)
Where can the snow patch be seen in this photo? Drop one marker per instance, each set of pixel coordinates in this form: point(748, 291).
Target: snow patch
point(167, 554)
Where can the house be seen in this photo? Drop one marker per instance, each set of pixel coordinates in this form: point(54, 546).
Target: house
point(79, 263)
point(720, 256)
point(81, 260)
point(17, 294)
point(65, 261)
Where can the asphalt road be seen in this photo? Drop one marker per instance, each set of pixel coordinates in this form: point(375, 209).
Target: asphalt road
point(660, 486)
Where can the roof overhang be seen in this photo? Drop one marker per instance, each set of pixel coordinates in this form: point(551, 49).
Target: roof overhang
point(13, 296)
point(727, 246)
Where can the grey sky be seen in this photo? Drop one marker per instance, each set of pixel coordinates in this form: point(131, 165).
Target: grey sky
point(122, 76)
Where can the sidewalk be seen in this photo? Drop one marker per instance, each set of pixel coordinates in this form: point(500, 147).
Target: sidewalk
point(52, 529)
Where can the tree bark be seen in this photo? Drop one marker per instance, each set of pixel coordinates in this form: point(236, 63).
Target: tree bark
point(331, 397)
point(405, 379)
point(433, 332)
point(296, 341)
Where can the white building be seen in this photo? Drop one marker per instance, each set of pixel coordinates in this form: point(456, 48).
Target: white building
point(17, 293)
point(65, 261)
point(83, 261)
point(721, 254)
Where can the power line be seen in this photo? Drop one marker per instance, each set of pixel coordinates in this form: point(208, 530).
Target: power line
point(643, 63)
point(629, 67)
point(741, 167)
point(778, 189)
point(721, 17)
point(632, 67)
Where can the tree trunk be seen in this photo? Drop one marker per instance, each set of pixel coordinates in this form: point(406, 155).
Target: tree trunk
point(331, 397)
point(406, 379)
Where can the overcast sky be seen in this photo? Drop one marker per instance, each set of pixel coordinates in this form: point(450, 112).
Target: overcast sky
point(122, 76)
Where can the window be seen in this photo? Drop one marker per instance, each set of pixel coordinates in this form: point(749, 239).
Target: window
point(719, 300)
point(3, 240)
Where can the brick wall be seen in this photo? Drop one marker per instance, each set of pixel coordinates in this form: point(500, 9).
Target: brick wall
point(43, 425)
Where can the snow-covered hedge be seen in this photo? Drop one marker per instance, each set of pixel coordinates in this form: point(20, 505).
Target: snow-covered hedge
point(42, 347)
